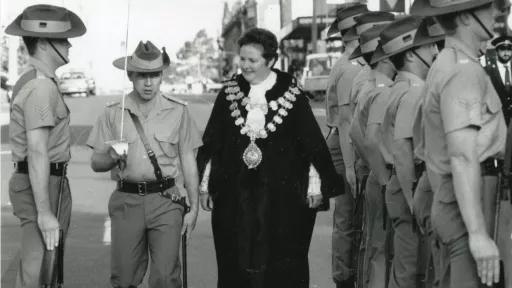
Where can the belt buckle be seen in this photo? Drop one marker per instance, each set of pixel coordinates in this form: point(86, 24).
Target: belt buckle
point(142, 188)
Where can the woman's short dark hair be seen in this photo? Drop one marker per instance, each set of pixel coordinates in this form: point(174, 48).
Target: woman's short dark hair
point(261, 37)
point(31, 44)
point(398, 60)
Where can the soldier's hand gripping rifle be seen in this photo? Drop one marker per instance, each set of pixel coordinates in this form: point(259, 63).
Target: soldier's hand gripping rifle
point(52, 267)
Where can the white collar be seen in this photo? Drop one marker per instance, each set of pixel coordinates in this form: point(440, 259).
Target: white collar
point(258, 91)
point(267, 83)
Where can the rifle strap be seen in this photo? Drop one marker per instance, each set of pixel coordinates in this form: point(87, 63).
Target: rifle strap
point(144, 139)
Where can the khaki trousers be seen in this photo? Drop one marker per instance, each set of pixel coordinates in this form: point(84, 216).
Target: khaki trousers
point(403, 271)
point(32, 245)
point(374, 259)
point(145, 228)
point(343, 230)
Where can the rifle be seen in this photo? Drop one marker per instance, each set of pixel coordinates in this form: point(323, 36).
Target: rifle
point(183, 202)
point(52, 267)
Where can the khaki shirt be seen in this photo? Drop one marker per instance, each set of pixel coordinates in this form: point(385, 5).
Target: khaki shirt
point(38, 104)
point(459, 94)
point(374, 104)
point(363, 81)
point(168, 128)
point(405, 97)
point(338, 87)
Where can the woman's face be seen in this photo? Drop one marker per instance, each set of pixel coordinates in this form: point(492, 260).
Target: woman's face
point(254, 67)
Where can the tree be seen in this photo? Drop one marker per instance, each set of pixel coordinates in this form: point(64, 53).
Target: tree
point(198, 58)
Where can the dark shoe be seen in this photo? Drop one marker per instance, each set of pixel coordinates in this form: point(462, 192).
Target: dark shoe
point(349, 283)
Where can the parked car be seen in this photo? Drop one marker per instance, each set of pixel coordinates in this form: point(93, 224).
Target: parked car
point(212, 86)
point(316, 73)
point(75, 84)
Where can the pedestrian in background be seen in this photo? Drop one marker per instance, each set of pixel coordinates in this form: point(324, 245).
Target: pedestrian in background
point(39, 136)
point(160, 141)
point(266, 168)
point(465, 132)
point(499, 71)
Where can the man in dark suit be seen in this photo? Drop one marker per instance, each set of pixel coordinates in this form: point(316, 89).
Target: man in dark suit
point(499, 69)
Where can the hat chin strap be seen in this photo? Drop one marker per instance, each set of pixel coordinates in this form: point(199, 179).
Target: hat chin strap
point(421, 59)
point(66, 61)
point(482, 25)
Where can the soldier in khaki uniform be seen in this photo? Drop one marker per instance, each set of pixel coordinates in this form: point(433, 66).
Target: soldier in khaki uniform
point(464, 134)
point(412, 50)
point(40, 135)
point(343, 269)
point(145, 214)
point(382, 73)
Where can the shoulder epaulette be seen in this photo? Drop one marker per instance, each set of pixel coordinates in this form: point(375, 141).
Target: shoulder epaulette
point(112, 103)
point(175, 99)
point(24, 79)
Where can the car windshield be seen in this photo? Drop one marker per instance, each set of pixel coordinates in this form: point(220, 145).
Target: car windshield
point(321, 66)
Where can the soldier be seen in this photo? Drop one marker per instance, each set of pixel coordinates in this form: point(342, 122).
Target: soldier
point(343, 269)
point(40, 135)
point(412, 49)
point(464, 134)
point(499, 71)
point(161, 139)
point(382, 73)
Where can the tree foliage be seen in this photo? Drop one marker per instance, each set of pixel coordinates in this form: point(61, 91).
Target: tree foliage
point(198, 58)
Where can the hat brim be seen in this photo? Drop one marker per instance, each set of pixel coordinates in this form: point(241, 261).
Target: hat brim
point(350, 35)
point(497, 41)
point(423, 7)
point(356, 53)
point(77, 29)
point(380, 55)
point(119, 63)
point(333, 29)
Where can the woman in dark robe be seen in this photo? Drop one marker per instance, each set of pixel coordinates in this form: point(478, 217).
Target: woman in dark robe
point(265, 167)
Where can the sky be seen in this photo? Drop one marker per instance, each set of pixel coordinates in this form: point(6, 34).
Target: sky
point(166, 23)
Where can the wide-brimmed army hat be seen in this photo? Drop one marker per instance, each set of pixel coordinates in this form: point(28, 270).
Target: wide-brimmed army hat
point(441, 7)
point(146, 58)
point(368, 41)
point(47, 21)
point(345, 18)
point(405, 34)
point(502, 40)
point(366, 21)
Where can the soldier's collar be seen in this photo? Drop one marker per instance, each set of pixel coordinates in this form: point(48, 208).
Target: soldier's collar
point(381, 80)
point(410, 77)
point(161, 103)
point(41, 67)
point(452, 42)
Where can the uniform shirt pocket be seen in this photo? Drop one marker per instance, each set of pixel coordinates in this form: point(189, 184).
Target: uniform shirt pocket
point(492, 104)
point(61, 113)
point(168, 146)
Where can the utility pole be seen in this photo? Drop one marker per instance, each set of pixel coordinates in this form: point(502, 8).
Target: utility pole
point(314, 28)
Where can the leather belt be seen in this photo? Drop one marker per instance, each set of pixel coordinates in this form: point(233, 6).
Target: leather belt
point(56, 168)
point(491, 166)
point(145, 187)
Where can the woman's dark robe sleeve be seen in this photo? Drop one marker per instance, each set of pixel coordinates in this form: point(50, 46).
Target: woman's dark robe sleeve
point(313, 149)
point(213, 136)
